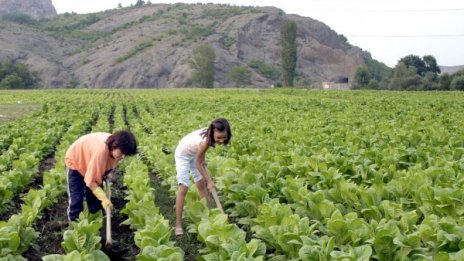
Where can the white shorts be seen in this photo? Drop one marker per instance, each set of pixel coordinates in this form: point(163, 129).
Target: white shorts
point(183, 167)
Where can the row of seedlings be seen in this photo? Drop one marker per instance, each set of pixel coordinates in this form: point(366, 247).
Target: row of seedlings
point(82, 240)
point(153, 232)
point(223, 241)
point(17, 232)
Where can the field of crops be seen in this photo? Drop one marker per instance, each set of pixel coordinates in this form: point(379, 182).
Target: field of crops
point(309, 175)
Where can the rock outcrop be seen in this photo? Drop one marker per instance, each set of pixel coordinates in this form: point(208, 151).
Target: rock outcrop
point(34, 8)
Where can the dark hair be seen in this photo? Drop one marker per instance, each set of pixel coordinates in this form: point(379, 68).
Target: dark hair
point(123, 140)
point(220, 124)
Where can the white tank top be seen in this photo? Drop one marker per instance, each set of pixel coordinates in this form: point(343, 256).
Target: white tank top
point(188, 145)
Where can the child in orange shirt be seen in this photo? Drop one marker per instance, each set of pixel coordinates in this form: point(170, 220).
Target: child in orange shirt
point(87, 160)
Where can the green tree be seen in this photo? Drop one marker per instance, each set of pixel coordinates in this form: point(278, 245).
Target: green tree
point(362, 78)
point(139, 3)
point(29, 78)
point(288, 53)
point(12, 82)
point(458, 73)
point(6, 68)
point(405, 78)
point(445, 81)
point(264, 69)
point(431, 64)
point(428, 63)
point(431, 81)
point(19, 18)
point(240, 75)
point(17, 75)
point(426, 70)
point(377, 70)
point(457, 83)
point(416, 61)
point(119, 6)
point(202, 65)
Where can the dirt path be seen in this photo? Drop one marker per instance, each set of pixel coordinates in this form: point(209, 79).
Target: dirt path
point(163, 199)
point(51, 227)
point(122, 233)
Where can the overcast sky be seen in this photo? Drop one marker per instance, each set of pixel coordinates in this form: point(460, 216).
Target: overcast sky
point(388, 29)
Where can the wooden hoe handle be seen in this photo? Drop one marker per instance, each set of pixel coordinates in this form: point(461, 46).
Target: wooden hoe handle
point(109, 240)
point(216, 199)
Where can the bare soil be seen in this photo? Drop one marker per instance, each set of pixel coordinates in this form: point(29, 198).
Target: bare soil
point(11, 112)
point(51, 226)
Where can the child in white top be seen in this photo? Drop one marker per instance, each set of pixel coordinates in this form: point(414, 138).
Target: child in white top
point(190, 156)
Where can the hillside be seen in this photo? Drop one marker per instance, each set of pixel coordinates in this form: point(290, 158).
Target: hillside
point(149, 46)
point(451, 69)
point(35, 8)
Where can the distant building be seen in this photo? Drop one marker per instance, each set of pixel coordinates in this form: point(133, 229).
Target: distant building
point(337, 83)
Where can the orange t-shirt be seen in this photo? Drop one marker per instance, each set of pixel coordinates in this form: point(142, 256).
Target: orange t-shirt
point(91, 157)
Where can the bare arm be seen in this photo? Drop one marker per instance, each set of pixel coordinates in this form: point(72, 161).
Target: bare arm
point(201, 164)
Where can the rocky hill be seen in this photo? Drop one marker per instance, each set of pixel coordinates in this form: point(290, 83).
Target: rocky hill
point(150, 46)
point(34, 8)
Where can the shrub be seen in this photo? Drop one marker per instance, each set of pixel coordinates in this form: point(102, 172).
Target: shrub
point(457, 83)
point(265, 70)
point(16, 76)
point(19, 18)
point(12, 82)
point(240, 75)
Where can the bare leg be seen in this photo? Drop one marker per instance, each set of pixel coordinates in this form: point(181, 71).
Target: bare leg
point(181, 192)
point(201, 185)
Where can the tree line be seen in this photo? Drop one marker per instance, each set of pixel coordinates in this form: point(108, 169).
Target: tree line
point(15, 75)
point(411, 73)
